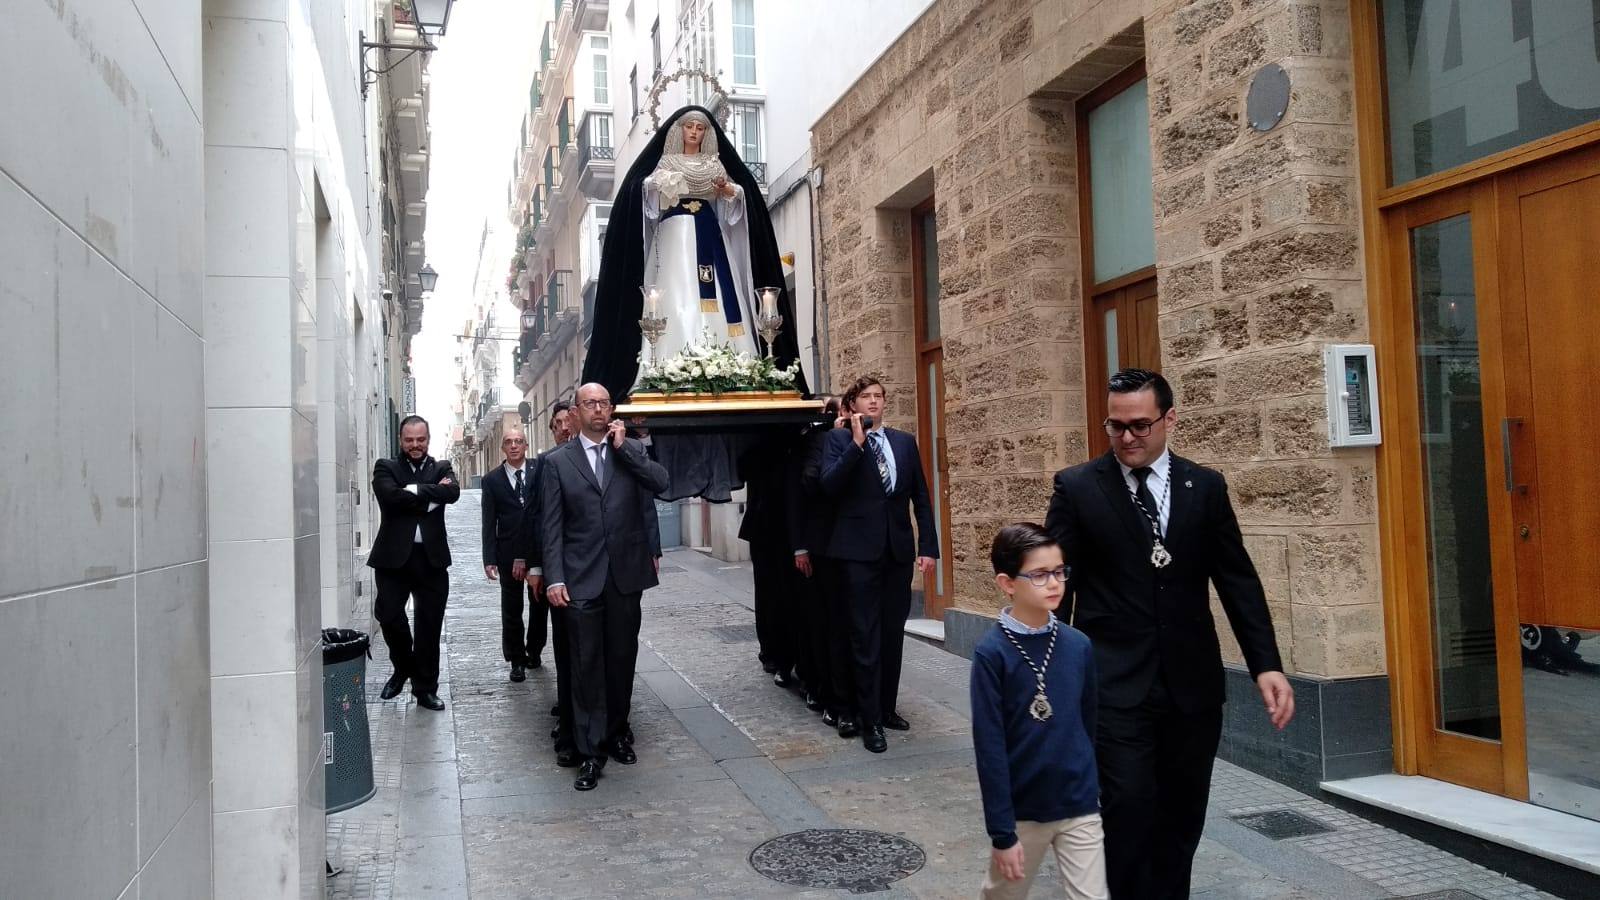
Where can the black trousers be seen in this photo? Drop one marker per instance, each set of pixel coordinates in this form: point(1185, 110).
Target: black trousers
point(516, 644)
point(560, 649)
point(603, 648)
point(836, 629)
point(1155, 776)
point(429, 587)
point(813, 662)
point(879, 596)
point(775, 586)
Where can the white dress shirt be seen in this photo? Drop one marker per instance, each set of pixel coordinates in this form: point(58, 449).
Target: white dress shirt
point(511, 475)
point(417, 538)
point(589, 455)
point(1158, 483)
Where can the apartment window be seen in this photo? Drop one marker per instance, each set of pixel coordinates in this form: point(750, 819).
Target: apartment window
point(633, 90)
point(747, 132)
point(744, 41)
point(601, 136)
point(602, 78)
point(655, 47)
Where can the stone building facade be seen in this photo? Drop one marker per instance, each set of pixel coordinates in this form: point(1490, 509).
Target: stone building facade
point(1022, 195)
point(1257, 260)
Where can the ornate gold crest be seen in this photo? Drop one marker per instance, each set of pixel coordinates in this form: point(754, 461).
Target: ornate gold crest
point(706, 274)
point(693, 206)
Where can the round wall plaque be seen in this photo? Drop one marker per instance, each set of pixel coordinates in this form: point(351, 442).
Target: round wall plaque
point(1269, 97)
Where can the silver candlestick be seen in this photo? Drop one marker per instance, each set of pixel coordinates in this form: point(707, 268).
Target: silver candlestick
point(652, 323)
point(768, 320)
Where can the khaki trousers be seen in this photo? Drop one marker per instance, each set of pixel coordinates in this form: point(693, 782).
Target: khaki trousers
point(1079, 847)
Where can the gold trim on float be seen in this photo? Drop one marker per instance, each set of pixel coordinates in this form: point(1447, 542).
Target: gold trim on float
point(645, 403)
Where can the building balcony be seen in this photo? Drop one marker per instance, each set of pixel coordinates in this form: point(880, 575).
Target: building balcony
point(591, 15)
point(596, 157)
point(562, 16)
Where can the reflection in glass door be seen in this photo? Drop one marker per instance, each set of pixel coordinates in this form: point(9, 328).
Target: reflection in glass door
point(1455, 494)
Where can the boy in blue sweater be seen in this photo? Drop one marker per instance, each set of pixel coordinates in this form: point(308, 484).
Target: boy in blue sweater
point(1033, 721)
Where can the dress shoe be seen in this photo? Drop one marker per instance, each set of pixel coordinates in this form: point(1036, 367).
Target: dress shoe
point(830, 718)
point(768, 668)
point(518, 673)
point(566, 759)
point(535, 662)
point(848, 727)
point(784, 678)
point(391, 688)
point(627, 735)
point(555, 710)
point(622, 753)
point(873, 739)
point(893, 720)
point(431, 701)
point(588, 775)
point(812, 703)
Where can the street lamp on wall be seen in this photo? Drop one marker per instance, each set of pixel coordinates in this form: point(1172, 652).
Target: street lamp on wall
point(428, 278)
point(425, 15)
point(529, 320)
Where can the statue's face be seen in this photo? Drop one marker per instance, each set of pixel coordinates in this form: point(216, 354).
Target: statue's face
point(694, 131)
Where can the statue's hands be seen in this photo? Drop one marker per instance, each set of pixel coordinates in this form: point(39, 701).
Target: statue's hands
point(724, 189)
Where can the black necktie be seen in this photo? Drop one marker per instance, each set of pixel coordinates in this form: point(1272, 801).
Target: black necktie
point(1147, 500)
point(521, 497)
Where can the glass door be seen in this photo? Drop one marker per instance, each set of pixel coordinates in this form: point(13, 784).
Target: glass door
point(1459, 629)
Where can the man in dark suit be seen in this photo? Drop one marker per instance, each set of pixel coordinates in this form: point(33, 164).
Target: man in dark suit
point(598, 505)
point(765, 470)
point(507, 496)
point(824, 657)
point(561, 431)
point(1144, 532)
point(873, 473)
point(410, 557)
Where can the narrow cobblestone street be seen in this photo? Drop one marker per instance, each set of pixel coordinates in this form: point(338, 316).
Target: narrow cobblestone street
point(470, 802)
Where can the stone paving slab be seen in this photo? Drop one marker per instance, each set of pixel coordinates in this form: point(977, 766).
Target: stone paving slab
point(470, 802)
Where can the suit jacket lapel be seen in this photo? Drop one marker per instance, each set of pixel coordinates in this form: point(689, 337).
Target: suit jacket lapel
point(581, 460)
point(1116, 490)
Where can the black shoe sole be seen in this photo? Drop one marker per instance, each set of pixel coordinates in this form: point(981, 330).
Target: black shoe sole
point(582, 785)
point(518, 677)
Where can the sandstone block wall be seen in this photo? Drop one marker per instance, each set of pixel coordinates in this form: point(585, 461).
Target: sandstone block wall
point(1258, 265)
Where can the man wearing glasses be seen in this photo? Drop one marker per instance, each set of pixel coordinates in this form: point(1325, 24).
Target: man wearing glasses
point(1145, 531)
point(597, 515)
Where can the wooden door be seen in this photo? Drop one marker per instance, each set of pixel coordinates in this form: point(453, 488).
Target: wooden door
point(1550, 239)
point(1125, 319)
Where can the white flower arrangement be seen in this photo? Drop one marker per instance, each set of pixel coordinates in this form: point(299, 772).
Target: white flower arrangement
point(712, 367)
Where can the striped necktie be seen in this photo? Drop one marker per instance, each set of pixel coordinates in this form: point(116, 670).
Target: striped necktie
point(875, 439)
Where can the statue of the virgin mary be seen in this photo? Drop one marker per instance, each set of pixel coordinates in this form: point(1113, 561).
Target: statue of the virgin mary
point(688, 220)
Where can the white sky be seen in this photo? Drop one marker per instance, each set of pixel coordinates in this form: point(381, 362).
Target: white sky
point(479, 84)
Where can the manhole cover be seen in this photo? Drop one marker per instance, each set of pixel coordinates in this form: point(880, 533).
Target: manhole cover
point(733, 634)
point(1281, 823)
point(846, 859)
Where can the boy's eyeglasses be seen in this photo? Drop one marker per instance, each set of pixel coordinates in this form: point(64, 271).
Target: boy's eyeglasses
point(1043, 577)
point(1139, 429)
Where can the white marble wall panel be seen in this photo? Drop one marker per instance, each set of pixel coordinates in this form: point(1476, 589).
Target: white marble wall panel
point(68, 745)
point(255, 754)
point(257, 854)
point(169, 437)
point(181, 866)
point(251, 467)
point(247, 83)
point(252, 624)
point(69, 320)
point(307, 594)
point(174, 695)
point(249, 337)
point(249, 213)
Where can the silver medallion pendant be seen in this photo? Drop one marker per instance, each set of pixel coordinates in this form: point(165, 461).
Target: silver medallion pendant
point(1159, 557)
point(1040, 707)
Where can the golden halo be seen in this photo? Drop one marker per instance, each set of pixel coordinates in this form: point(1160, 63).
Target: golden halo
point(723, 109)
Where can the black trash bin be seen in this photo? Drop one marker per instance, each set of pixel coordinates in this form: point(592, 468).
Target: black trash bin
point(346, 738)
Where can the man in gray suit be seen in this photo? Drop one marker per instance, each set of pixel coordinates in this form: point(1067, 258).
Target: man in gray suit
point(597, 509)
